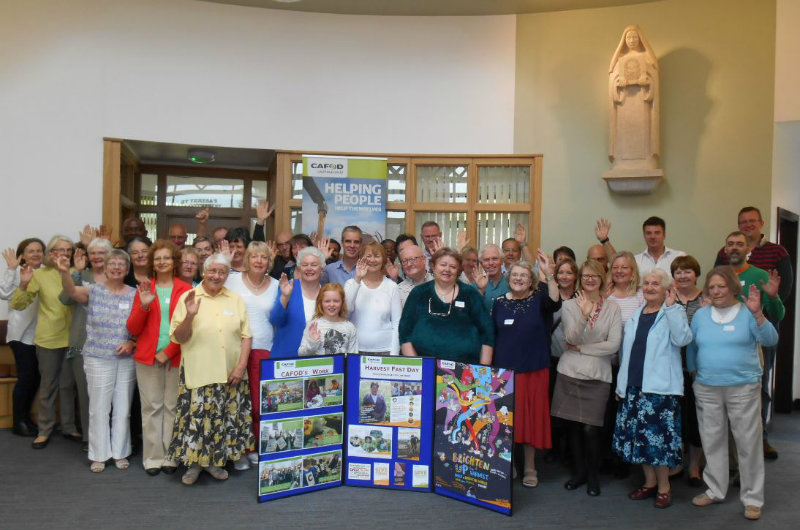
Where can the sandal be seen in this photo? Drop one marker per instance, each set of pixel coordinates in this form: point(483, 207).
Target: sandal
point(190, 477)
point(530, 479)
point(122, 464)
point(217, 472)
point(97, 467)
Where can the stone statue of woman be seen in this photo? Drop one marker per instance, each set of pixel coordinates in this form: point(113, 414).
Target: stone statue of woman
point(634, 101)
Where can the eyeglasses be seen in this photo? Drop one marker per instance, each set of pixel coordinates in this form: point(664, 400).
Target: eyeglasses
point(431, 312)
point(409, 261)
point(187, 262)
point(587, 277)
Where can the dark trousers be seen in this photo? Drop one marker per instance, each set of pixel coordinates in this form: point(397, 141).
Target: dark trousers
point(27, 380)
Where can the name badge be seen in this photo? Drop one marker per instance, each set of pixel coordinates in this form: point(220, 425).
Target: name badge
point(508, 322)
point(227, 312)
point(166, 300)
point(124, 305)
point(459, 303)
point(729, 327)
point(742, 282)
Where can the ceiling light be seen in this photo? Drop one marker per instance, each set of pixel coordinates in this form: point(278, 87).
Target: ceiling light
point(199, 156)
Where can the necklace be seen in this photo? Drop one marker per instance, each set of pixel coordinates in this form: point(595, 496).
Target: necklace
point(253, 285)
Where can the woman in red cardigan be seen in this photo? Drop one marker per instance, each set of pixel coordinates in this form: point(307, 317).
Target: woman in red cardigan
point(157, 358)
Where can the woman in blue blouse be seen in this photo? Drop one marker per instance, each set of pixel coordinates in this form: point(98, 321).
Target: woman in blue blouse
point(521, 344)
point(649, 386)
point(724, 361)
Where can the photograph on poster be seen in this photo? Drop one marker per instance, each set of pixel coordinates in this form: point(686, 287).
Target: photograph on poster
point(369, 441)
point(405, 410)
point(374, 401)
point(399, 474)
point(281, 435)
point(402, 388)
point(280, 475)
point(420, 476)
point(473, 432)
point(321, 468)
point(322, 430)
point(281, 395)
point(323, 391)
point(408, 444)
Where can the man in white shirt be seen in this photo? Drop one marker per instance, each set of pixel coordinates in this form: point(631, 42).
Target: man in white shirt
point(657, 254)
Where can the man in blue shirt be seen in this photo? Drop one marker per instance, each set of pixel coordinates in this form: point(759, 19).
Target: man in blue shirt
point(490, 281)
point(344, 269)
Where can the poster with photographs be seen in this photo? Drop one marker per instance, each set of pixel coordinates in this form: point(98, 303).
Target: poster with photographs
point(389, 418)
point(301, 425)
point(474, 434)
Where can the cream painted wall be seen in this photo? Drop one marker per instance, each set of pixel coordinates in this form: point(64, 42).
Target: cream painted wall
point(185, 71)
point(716, 61)
point(787, 50)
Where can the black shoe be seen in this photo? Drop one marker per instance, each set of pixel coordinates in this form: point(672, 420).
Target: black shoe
point(593, 488)
point(770, 453)
point(22, 429)
point(75, 436)
point(169, 470)
point(153, 471)
point(696, 482)
point(85, 447)
point(40, 444)
point(573, 484)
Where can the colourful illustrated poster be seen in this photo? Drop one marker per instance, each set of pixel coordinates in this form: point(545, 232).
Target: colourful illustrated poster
point(474, 434)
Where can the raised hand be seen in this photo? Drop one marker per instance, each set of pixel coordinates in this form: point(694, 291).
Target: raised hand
point(192, 303)
point(202, 215)
point(104, 232)
point(286, 286)
point(361, 269)
point(521, 235)
point(313, 331)
point(753, 301)
point(546, 264)
point(672, 295)
point(437, 244)
point(392, 271)
point(772, 286)
point(61, 263)
point(87, 234)
point(25, 276)
point(461, 240)
point(480, 278)
point(586, 306)
point(80, 259)
point(10, 256)
point(146, 296)
point(602, 228)
point(273, 248)
point(263, 211)
point(323, 244)
point(225, 249)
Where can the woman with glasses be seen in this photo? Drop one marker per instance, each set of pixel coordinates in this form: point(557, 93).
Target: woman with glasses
point(593, 331)
point(446, 318)
point(204, 248)
point(521, 320)
point(106, 349)
point(157, 358)
point(138, 249)
point(52, 331)
point(188, 266)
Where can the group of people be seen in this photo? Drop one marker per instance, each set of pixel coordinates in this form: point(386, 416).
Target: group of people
point(621, 350)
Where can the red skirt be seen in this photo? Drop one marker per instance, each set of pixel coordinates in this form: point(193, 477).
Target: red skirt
point(532, 408)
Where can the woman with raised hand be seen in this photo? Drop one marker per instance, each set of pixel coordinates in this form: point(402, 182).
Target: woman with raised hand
point(649, 388)
point(138, 249)
point(258, 290)
point(21, 327)
point(374, 303)
point(213, 421)
point(52, 332)
point(157, 358)
point(593, 331)
point(296, 302)
point(110, 372)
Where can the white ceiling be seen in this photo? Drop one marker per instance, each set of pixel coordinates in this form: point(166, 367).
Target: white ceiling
point(430, 7)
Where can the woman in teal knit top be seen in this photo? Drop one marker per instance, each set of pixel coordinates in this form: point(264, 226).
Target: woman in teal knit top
point(723, 359)
point(446, 318)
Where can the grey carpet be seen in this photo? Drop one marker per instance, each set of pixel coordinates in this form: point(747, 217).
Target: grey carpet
point(53, 488)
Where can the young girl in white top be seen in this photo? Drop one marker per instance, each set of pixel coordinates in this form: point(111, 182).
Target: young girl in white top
point(329, 332)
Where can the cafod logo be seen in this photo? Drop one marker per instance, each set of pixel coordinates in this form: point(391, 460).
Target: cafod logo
point(327, 167)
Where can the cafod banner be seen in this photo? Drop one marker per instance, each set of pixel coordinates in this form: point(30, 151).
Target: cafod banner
point(343, 191)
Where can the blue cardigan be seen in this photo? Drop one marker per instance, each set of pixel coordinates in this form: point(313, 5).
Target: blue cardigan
point(289, 323)
point(727, 354)
point(663, 372)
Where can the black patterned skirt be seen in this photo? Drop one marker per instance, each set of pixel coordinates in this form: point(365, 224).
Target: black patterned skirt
point(648, 429)
point(212, 424)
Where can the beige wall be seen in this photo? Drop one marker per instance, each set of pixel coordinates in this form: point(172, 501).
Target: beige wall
point(716, 61)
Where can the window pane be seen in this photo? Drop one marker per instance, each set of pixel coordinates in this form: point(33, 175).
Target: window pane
point(442, 183)
point(504, 184)
point(258, 192)
point(200, 192)
point(494, 227)
point(449, 222)
point(148, 195)
point(297, 180)
point(395, 224)
point(397, 183)
point(150, 221)
point(296, 221)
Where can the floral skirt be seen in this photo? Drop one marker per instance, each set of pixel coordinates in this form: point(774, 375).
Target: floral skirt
point(648, 429)
point(212, 424)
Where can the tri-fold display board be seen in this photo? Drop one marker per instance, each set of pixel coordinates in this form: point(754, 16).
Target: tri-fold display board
point(411, 423)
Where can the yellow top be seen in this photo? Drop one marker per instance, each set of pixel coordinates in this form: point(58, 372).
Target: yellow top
point(55, 318)
point(214, 348)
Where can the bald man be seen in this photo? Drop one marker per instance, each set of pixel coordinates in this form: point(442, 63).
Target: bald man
point(598, 253)
point(178, 235)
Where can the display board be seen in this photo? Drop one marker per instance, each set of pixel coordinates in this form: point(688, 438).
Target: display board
point(474, 434)
point(301, 425)
point(389, 421)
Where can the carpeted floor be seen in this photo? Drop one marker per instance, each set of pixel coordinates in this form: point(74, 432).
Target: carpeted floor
point(53, 488)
